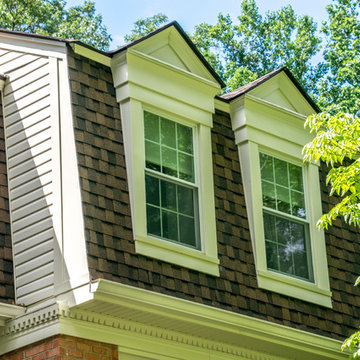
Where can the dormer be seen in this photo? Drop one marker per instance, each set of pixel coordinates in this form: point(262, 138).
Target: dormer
point(268, 118)
point(166, 93)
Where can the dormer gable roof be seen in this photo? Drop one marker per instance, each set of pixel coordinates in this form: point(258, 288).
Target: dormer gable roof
point(171, 44)
point(279, 87)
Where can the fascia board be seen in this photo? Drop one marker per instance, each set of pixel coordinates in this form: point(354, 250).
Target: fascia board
point(171, 67)
point(33, 45)
point(222, 105)
point(297, 98)
point(260, 121)
point(256, 331)
point(91, 54)
point(9, 311)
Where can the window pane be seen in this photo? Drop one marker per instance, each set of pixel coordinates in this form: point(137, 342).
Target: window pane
point(296, 179)
point(177, 207)
point(168, 195)
point(286, 246)
point(152, 156)
point(298, 204)
point(187, 230)
point(152, 190)
point(169, 161)
point(268, 192)
point(272, 260)
point(169, 225)
point(284, 192)
point(186, 170)
point(266, 166)
point(168, 136)
point(153, 220)
point(269, 227)
point(298, 236)
point(172, 209)
point(186, 200)
point(184, 140)
point(286, 260)
point(281, 172)
point(169, 147)
point(283, 199)
point(301, 264)
point(151, 125)
point(282, 230)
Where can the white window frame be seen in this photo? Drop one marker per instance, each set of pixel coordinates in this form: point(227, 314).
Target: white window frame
point(195, 185)
point(205, 259)
point(263, 126)
point(306, 220)
point(159, 82)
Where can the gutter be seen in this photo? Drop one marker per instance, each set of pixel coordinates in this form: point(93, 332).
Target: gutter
point(8, 311)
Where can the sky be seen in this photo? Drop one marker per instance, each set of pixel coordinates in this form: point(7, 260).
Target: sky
point(120, 15)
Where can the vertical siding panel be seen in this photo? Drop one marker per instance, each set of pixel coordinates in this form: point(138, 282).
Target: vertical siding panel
point(29, 121)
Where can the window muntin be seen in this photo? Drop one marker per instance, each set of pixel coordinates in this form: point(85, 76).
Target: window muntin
point(286, 228)
point(169, 147)
point(171, 193)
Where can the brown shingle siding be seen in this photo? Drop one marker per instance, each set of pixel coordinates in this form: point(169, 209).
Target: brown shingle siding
point(110, 244)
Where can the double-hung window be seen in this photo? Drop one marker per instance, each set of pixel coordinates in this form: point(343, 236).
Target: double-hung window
point(285, 218)
point(166, 98)
point(170, 180)
point(282, 193)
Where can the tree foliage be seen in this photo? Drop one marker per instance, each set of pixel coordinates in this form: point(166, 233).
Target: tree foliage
point(340, 88)
point(50, 17)
point(337, 144)
point(145, 25)
point(337, 139)
point(255, 45)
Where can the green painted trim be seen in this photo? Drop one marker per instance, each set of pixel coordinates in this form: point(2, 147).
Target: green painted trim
point(91, 54)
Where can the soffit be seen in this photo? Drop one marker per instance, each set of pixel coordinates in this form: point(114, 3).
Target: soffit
point(145, 308)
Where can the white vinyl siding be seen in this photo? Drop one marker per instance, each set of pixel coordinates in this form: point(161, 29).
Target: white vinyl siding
point(29, 140)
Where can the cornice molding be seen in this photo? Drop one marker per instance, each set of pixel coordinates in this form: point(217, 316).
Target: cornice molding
point(141, 330)
point(8, 311)
point(34, 319)
point(127, 316)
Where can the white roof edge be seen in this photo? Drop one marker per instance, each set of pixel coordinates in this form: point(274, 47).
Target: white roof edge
point(216, 319)
point(91, 54)
point(33, 38)
point(10, 311)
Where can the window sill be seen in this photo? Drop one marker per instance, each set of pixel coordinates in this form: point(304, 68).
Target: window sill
point(296, 288)
point(177, 254)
